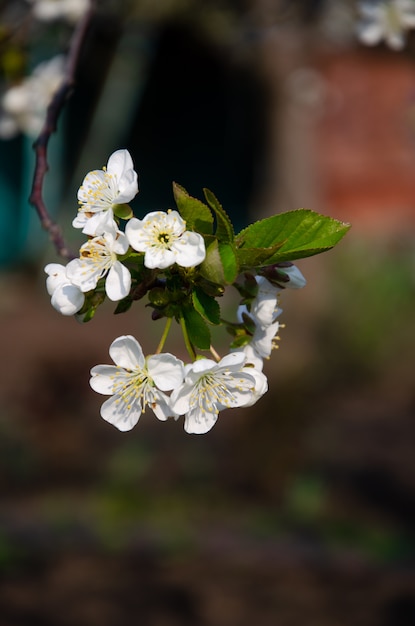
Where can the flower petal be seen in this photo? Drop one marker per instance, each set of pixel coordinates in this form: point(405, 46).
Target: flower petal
point(370, 33)
point(121, 165)
point(126, 352)
point(180, 398)
point(262, 341)
point(118, 282)
point(189, 249)
point(98, 224)
point(68, 299)
point(264, 305)
point(83, 273)
point(102, 378)
point(166, 370)
point(56, 276)
point(116, 412)
point(233, 361)
point(252, 356)
point(87, 191)
point(159, 258)
point(261, 385)
point(119, 242)
point(136, 234)
point(196, 424)
point(161, 407)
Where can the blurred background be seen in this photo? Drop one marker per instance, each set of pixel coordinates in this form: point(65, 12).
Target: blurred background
point(301, 509)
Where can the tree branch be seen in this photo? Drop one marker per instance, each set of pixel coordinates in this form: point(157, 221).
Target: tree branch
point(49, 127)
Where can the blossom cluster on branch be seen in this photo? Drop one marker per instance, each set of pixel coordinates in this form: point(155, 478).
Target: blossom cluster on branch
point(182, 260)
point(387, 20)
point(30, 86)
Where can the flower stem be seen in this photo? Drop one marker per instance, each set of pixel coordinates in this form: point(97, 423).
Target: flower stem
point(187, 342)
point(215, 355)
point(164, 335)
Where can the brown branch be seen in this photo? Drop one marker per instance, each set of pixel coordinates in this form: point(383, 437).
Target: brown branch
point(49, 127)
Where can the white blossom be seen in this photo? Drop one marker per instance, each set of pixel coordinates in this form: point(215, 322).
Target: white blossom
point(388, 20)
point(261, 383)
point(263, 313)
point(50, 10)
point(285, 275)
point(164, 240)
point(264, 307)
point(135, 382)
point(66, 297)
point(24, 105)
point(296, 278)
point(98, 258)
point(210, 387)
point(102, 190)
point(261, 343)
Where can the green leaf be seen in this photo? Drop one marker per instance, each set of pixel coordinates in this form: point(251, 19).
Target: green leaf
point(195, 213)
point(206, 305)
point(212, 268)
point(229, 261)
point(221, 264)
point(302, 232)
point(197, 329)
point(256, 257)
point(224, 228)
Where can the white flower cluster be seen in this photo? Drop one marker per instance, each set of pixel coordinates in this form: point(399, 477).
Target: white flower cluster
point(385, 19)
point(51, 10)
point(198, 390)
point(262, 316)
point(23, 106)
point(161, 236)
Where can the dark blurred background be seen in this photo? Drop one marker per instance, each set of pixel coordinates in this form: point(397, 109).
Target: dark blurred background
point(301, 509)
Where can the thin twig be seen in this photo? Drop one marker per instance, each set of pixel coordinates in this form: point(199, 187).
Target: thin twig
point(49, 127)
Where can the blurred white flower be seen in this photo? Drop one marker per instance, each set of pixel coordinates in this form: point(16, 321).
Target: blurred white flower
point(50, 10)
point(66, 298)
point(102, 190)
point(98, 258)
point(135, 382)
point(23, 106)
point(388, 20)
point(164, 240)
point(210, 387)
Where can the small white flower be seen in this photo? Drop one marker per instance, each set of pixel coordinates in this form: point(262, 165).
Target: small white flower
point(164, 240)
point(261, 344)
point(135, 382)
point(98, 258)
point(388, 20)
point(66, 297)
point(261, 383)
point(296, 278)
point(264, 307)
point(263, 312)
point(102, 190)
point(210, 387)
point(24, 105)
point(251, 356)
point(50, 10)
point(285, 275)
point(263, 339)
